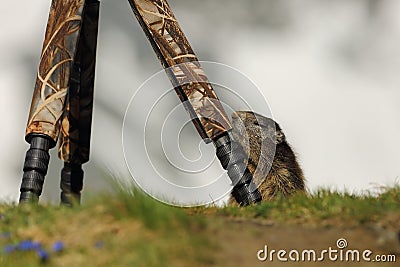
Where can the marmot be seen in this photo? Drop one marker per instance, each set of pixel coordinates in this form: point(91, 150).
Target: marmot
point(271, 160)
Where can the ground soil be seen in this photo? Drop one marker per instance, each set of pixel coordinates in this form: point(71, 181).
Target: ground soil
point(239, 240)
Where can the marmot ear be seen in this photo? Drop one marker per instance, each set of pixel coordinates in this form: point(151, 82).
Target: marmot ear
point(263, 121)
point(280, 136)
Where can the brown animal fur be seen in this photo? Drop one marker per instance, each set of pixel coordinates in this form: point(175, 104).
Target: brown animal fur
point(271, 160)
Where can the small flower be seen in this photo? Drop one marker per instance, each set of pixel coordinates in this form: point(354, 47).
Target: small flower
point(26, 245)
point(99, 244)
point(5, 235)
point(36, 245)
point(58, 246)
point(8, 249)
point(42, 254)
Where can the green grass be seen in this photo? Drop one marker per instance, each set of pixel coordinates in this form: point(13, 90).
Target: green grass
point(123, 229)
point(325, 207)
point(110, 230)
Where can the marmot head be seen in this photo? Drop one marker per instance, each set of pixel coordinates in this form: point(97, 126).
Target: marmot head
point(243, 120)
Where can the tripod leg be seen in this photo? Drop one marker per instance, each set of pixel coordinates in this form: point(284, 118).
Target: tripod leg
point(76, 124)
point(51, 87)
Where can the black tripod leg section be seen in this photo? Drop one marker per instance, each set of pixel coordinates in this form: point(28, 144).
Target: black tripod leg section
point(35, 167)
point(71, 183)
point(74, 147)
point(232, 158)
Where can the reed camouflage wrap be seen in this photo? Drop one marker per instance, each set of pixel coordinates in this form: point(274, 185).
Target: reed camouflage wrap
point(63, 97)
point(182, 66)
point(55, 65)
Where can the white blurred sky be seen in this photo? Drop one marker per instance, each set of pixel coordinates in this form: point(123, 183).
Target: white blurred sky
point(329, 69)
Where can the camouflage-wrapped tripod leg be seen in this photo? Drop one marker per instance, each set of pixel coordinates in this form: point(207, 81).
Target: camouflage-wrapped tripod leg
point(195, 91)
point(50, 91)
point(74, 146)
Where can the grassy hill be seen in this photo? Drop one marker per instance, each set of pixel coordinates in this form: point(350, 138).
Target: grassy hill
point(124, 229)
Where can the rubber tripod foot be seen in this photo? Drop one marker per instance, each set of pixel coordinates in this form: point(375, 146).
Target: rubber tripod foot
point(71, 184)
point(35, 168)
point(232, 158)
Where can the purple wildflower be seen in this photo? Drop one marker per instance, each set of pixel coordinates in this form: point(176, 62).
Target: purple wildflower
point(26, 245)
point(36, 245)
point(58, 246)
point(43, 255)
point(99, 244)
point(8, 249)
point(5, 235)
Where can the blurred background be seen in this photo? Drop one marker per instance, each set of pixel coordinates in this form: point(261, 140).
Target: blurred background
point(329, 70)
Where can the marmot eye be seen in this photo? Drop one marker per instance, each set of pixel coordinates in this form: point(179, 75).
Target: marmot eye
point(280, 136)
